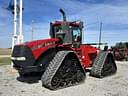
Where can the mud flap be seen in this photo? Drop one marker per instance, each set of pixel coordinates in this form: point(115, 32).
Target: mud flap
point(104, 65)
point(63, 71)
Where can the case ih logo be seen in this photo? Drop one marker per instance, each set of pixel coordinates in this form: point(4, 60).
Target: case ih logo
point(43, 45)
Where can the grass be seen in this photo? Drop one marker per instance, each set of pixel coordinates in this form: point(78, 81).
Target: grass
point(5, 56)
point(5, 51)
point(5, 60)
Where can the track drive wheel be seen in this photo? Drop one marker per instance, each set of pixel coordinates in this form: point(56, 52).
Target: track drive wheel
point(104, 65)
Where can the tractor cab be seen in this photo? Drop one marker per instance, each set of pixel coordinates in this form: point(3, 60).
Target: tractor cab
point(67, 32)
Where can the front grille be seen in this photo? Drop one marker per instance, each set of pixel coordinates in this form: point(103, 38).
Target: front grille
point(23, 51)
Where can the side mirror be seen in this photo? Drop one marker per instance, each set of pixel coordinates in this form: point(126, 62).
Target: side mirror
point(81, 25)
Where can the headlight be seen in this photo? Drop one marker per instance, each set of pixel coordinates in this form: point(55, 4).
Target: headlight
point(19, 58)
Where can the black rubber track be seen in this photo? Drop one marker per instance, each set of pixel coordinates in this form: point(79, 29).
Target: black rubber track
point(104, 65)
point(61, 74)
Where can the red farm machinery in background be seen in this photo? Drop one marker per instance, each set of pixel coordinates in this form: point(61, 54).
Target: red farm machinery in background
point(62, 60)
point(120, 51)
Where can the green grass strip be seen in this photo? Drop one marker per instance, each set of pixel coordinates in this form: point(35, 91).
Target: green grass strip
point(5, 60)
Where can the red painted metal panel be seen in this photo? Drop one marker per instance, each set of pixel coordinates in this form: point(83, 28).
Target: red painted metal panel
point(40, 46)
point(88, 55)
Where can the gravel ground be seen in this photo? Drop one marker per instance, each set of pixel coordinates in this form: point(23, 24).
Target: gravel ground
point(116, 85)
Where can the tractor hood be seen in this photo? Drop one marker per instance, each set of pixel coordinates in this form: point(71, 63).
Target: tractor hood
point(40, 43)
point(34, 48)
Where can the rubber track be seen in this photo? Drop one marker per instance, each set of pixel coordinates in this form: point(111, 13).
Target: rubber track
point(98, 64)
point(52, 69)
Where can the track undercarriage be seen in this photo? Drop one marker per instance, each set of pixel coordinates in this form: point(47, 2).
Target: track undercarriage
point(63, 71)
point(104, 65)
point(66, 70)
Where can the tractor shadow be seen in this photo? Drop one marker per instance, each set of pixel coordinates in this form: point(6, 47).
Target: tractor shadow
point(34, 78)
point(29, 79)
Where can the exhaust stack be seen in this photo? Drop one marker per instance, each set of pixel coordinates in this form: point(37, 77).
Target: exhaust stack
point(63, 14)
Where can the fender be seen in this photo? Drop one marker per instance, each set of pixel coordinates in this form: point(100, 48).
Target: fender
point(44, 59)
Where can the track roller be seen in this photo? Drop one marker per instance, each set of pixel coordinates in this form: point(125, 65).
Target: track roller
point(63, 71)
point(104, 65)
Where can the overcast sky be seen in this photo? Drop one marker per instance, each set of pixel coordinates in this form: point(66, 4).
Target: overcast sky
point(112, 13)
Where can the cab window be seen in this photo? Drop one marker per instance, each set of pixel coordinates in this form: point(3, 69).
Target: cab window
point(76, 32)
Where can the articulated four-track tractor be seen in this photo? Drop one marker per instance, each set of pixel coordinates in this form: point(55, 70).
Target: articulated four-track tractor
point(63, 59)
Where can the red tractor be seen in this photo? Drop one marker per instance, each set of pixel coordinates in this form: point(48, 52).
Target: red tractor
point(63, 59)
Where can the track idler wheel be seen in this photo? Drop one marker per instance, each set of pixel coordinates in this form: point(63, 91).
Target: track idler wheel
point(64, 70)
point(104, 65)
